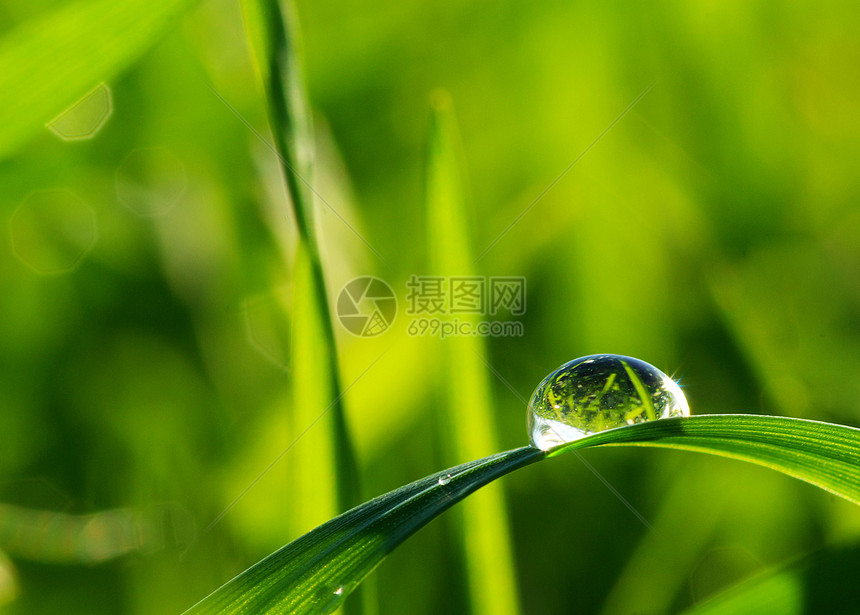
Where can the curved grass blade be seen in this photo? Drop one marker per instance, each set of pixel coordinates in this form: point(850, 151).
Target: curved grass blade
point(306, 575)
point(331, 560)
point(49, 62)
point(823, 454)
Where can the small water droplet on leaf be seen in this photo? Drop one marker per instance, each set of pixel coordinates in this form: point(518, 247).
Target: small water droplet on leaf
point(329, 600)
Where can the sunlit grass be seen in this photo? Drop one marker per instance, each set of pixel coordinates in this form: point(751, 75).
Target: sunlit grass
point(711, 232)
point(469, 429)
point(337, 556)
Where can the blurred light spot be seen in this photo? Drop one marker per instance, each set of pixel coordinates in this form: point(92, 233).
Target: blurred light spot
point(49, 536)
point(8, 580)
point(150, 181)
point(268, 329)
point(722, 568)
point(84, 118)
point(52, 230)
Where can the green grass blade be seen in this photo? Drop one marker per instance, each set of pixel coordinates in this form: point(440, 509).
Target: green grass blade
point(484, 526)
point(813, 584)
point(780, 593)
point(51, 61)
point(312, 463)
point(823, 454)
point(272, 35)
point(303, 575)
point(270, 25)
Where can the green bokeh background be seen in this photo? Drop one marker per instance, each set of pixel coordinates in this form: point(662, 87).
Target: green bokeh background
point(714, 232)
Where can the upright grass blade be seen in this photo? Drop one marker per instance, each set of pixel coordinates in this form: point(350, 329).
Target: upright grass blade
point(470, 430)
point(51, 61)
point(303, 576)
point(312, 461)
point(269, 24)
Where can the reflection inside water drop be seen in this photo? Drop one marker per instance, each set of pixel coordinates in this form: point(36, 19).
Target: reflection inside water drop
point(599, 392)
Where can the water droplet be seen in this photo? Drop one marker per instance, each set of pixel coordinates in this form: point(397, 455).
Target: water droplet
point(444, 480)
point(329, 600)
point(599, 392)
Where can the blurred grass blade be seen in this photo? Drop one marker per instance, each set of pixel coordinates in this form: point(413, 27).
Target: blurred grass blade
point(8, 580)
point(312, 464)
point(640, 585)
point(779, 593)
point(51, 61)
point(307, 574)
point(55, 537)
point(486, 548)
point(814, 584)
point(332, 559)
point(317, 387)
point(272, 35)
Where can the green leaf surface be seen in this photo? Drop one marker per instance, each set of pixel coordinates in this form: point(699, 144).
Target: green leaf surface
point(823, 454)
point(51, 61)
point(314, 573)
point(305, 575)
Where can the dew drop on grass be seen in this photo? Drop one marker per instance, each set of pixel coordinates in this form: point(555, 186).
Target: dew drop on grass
point(444, 480)
point(599, 392)
point(328, 600)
